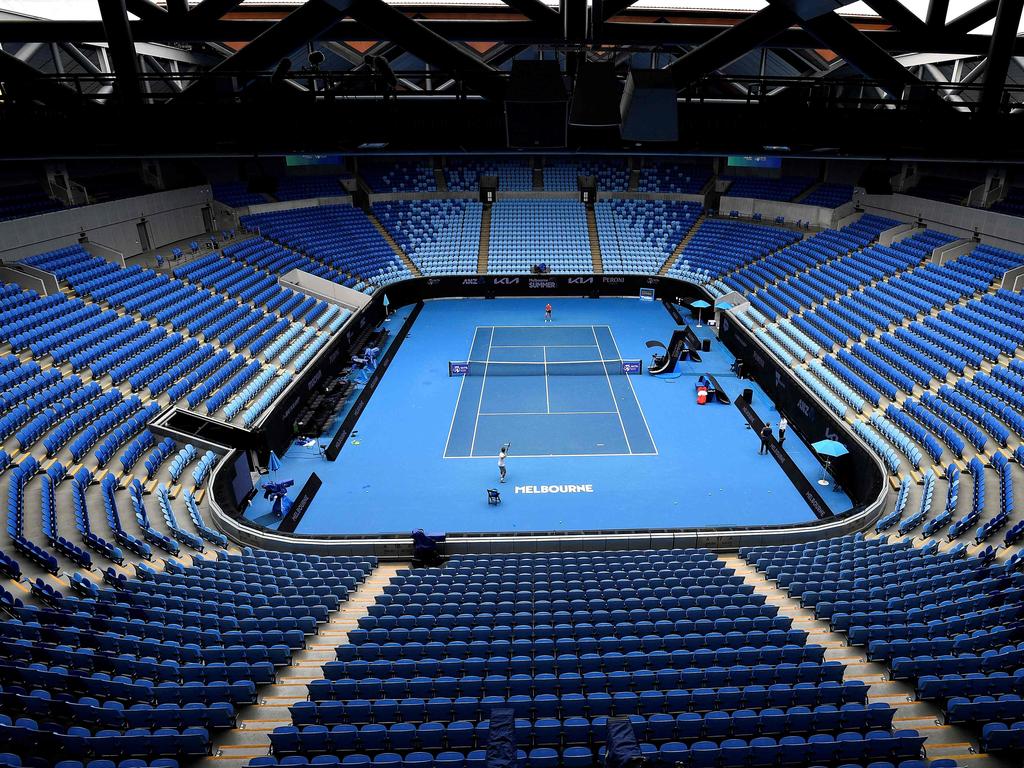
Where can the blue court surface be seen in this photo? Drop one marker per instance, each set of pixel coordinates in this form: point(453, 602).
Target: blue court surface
point(548, 391)
point(592, 448)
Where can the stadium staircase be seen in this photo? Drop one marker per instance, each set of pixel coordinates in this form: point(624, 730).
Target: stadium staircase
point(634, 179)
point(538, 179)
point(236, 747)
point(409, 263)
point(943, 741)
point(674, 256)
point(440, 180)
point(485, 240)
point(595, 241)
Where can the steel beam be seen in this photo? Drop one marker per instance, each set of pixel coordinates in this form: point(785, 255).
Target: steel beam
point(973, 18)
point(535, 10)
point(82, 60)
point(936, 16)
point(23, 81)
point(895, 12)
point(862, 54)
point(146, 9)
point(305, 23)
point(122, 49)
point(731, 44)
point(1007, 20)
point(210, 10)
point(27, 51)
point(174, 29)
point(389, 23)
point(606, 9)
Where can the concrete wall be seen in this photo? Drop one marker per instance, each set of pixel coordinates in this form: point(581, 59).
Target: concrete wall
point(769, 209)
point(327, 290)
point(291, 205)
point(996, 229)
point(170, 216)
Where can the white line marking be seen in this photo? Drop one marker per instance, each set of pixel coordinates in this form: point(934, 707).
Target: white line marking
point(555, 455)
point(539, 346)
point(611, 391)
point(551, 413)
point(547, 393)
point(458, 400)
point(635, 398)
point(480, 402)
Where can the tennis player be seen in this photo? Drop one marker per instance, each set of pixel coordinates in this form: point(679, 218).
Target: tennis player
point(547, 313)
point(502, 453)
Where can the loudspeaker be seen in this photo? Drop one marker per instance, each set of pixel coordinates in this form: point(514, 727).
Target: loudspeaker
point(596, 96)
point(748, 395)
point(588, 189)
point(488, 189)
point(648, 106)
point(536, 105)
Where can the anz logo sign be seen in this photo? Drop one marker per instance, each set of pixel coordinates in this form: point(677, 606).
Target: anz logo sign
point(506, 281)
point(580, 280)
point(804, 408)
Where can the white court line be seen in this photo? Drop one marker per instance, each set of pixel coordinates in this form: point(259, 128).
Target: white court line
point(610, 391)
point(536, 346)
point(556, 455)
point(551, 413)
point(483, 384)
point(547, 393)
point(458, 400)
point(636, 399)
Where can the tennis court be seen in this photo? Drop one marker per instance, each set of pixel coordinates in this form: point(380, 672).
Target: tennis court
point(549, 391)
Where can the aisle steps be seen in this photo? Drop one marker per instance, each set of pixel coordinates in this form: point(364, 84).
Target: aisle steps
point(235, 748)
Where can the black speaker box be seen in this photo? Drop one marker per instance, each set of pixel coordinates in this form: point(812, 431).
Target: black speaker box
point(536, 105)
point(648, 106)
point(596, 96)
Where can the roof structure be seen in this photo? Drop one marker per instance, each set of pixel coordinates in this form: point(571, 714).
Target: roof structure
point(953, 57)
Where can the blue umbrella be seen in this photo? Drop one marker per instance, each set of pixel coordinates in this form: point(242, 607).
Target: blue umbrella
point(274, 463)
point(723, 305)
point(700, 305)
point(830, 448)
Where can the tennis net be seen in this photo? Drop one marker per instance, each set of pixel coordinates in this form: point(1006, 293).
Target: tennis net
point(550, 368)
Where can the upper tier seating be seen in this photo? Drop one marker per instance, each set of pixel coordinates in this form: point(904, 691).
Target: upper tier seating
point(339, 236)
point(673, 177)
point(236, 193)
point(464, 175)
point(637, 236)
point(763, 188)
point(829, 195)
point(399, 176)
point(1013, 203)
point(440, 236)
point(528, 232)
point(562, 175)
point(943, 189)
point(308, 187)
point(25, 200)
